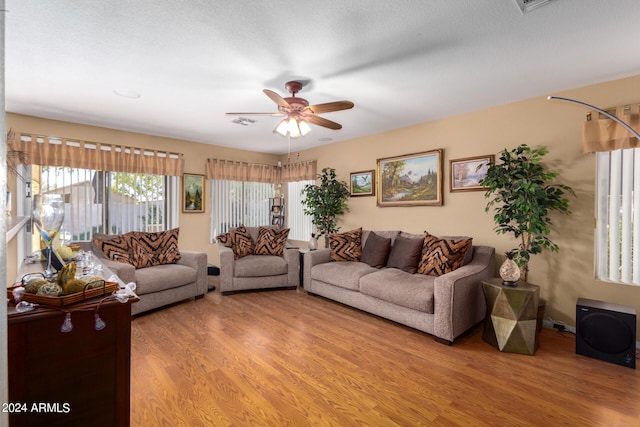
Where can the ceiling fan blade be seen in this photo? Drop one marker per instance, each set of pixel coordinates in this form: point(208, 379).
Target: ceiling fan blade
point(330, 106)
point(255, 114)
point(321, 121)
point(276, 98)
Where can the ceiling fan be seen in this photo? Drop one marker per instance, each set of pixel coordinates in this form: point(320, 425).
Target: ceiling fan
point(298, 112)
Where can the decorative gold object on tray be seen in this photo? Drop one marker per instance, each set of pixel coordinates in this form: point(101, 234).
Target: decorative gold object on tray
point(61, 301)
point(67, 289)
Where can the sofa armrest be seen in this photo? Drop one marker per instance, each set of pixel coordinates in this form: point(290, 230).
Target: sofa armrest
point(292, 256)
point(312, 258)
point(227, 261)
point(197, 261)
point(126, 272)
point(459, 302)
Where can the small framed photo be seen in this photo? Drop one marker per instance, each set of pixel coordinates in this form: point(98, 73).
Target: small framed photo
point(363, 183)
point(193, 193)
point(465, 174)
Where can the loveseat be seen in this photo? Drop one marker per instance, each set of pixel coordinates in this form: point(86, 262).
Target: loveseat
point(175, 275)
point(440, 302)
point(257, 258)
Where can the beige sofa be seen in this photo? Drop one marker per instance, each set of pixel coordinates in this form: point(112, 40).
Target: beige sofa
point(161, 285)
point(444, 306)
point(258, 271)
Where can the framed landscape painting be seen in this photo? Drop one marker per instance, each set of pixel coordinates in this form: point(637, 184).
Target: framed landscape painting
point(363, 183)
point(193, 193)
point(465, 174)
point(410, 180)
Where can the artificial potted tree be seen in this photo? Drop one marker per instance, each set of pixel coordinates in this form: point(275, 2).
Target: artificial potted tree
point(325, 202)
point(523, 197)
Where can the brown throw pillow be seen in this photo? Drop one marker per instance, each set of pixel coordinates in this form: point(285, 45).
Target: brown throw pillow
point(115, 247)
point(346, 246)
point(441, 256)
point(376, 250)
point(158, 248)
point(405, 254)
point(239, 240)
point(271, 241)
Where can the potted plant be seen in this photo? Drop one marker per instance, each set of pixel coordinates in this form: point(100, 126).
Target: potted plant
point(520, 190)
point(325, 202)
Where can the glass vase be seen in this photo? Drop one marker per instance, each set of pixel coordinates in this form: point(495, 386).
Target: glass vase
point(313, 244)
point(48, 216)
point(510, 272)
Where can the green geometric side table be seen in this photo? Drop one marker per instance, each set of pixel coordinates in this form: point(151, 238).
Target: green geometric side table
point(511, 321)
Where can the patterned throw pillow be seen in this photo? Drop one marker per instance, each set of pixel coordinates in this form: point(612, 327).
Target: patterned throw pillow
point(346, 246)
point(441, 256)
point(116, 248)
point(149, 249)
point(239, 240)
point(271, 241)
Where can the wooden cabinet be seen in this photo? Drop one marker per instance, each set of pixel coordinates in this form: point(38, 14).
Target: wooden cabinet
point(79, 378)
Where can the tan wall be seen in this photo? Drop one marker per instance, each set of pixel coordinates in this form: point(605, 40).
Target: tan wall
point(194, 227)
point(564, 276)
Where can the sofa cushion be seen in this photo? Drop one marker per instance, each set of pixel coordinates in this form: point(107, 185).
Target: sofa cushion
point(114, 247)
point(271, 241)
point(346, 246)
point(162, 277)
point(376, 250)
point(388, 234)
point(239, 240)
point(405, 254)
point(414, 291)
point(150, 249)
point(344, 274)
point(442, 256)
point(259, 266)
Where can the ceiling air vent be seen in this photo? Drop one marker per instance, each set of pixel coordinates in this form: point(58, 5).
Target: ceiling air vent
point(529, 5)
point(243, 121)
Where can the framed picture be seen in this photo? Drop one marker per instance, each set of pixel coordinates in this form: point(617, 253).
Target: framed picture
point(465, 174)
point(363, 183)
point(193, 193)
point(410, 180)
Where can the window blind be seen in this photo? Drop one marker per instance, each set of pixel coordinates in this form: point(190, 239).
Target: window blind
point(299, 224)
point(618, 216)
point(233, 203)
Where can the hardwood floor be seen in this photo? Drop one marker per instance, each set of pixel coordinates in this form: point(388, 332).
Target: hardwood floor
point(283, 358)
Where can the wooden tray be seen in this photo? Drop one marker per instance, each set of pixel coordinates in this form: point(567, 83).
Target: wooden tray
point(64, 300)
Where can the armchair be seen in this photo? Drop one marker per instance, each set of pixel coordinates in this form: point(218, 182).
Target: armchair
point(258, 271)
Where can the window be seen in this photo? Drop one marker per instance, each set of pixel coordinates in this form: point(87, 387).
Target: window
point(618, 216)
point(299, 223)
point(234, 203)
point(108, 202)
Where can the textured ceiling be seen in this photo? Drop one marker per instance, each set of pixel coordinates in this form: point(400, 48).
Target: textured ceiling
point(400, 62)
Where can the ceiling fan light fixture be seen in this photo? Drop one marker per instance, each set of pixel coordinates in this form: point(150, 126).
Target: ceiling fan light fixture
point(304, 128)
point(282, 127)
point(293, 128)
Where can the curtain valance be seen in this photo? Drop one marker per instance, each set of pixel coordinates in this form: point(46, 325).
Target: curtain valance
point(54, 151)
point(241, 171)
point(301, 171)
point(600, 133)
